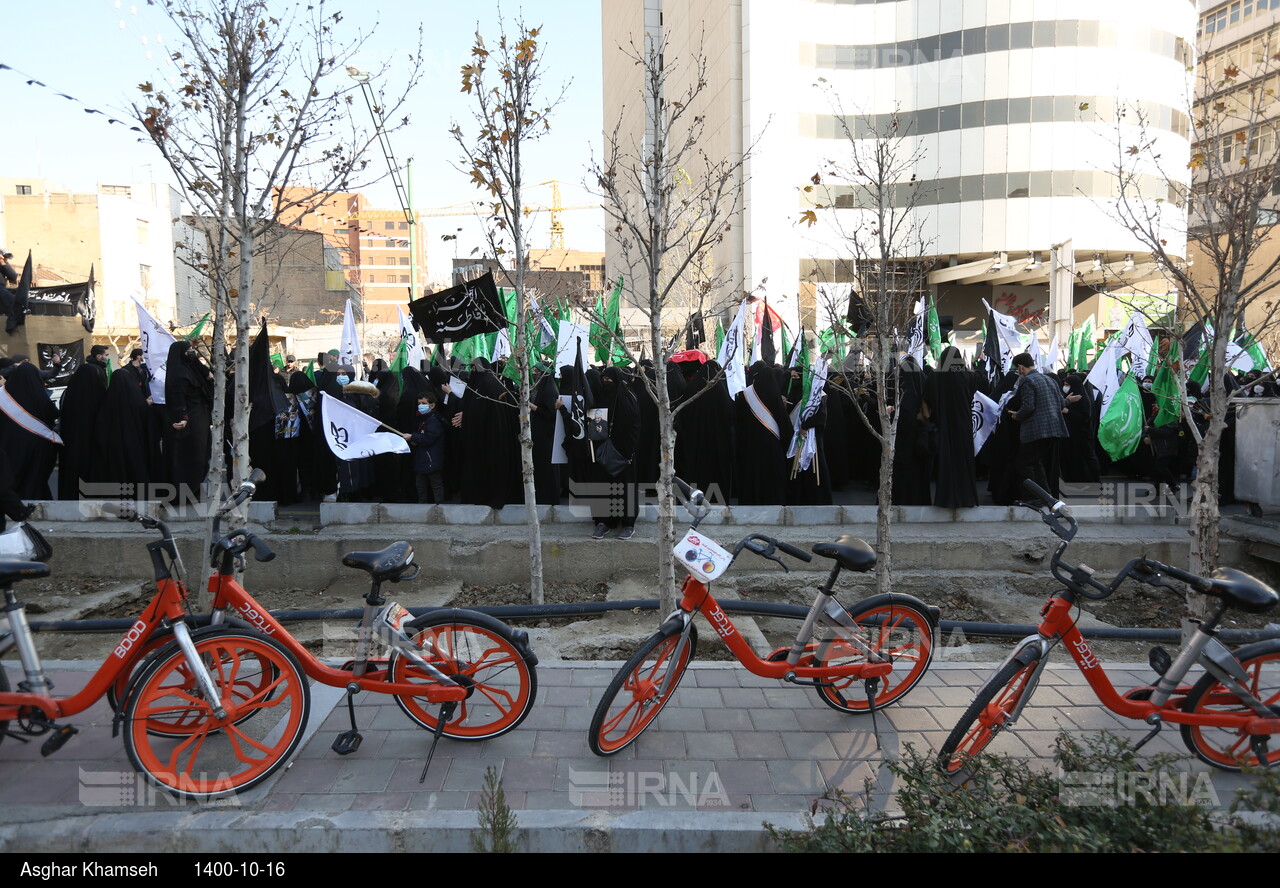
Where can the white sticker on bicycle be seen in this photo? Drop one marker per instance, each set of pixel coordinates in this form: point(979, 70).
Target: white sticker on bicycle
point(702, 556)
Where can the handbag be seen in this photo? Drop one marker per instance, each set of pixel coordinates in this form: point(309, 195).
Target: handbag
point(22, 542)
point(609, 459)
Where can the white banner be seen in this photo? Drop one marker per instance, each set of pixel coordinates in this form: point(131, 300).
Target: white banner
point(350, 353)
point(1007, 329)
point(1105, 376)
point(568, 333)
point(1136, 340)
point(731, 353)
point(986, 416)
point(413, 343)
point(155, 348)
point(353, 434)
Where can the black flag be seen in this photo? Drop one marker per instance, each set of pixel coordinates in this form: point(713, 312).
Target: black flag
point(266, 399)
point(768, 351)
point(71, 355)
point(694, 332)
point(858, 315)
point(18, 307)
point(460, 312)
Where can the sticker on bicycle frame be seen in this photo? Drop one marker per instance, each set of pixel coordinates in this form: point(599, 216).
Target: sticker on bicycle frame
point(394, 617)
point(702, 556)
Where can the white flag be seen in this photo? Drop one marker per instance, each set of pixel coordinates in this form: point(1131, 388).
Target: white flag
point(806, 439)
point(353, 434)
point(1033, 349)
point(986, 416)
point(351, 353)
point(730, 357)
point(501, 347)
point(571, 337)
point(548, 332)
point(1055, 354)
point(1136, 340)
point(1105, 376)
point(916, 333)
point(1007, 329)
point(155, 348)
point(413, 344)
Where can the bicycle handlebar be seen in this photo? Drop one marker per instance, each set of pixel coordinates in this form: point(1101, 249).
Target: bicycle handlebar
point(751, 542)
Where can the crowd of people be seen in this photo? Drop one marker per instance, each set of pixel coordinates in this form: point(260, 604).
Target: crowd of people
point(462, 429)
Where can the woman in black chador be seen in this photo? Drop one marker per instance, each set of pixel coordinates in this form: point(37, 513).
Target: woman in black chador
point(764, 434)
point(949, 393)
point(912, 445)
point(188, 397)
point(624, 434)
point(124, 432)
point(704, 430)
point(1078, 455)
point(30, 457)
point(490, 441)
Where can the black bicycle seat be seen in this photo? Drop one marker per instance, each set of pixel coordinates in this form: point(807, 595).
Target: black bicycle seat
point(850, 552)
point(12, 571)
point(386, 564)
point(1241, 591)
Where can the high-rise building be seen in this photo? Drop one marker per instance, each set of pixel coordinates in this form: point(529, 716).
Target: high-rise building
point(375, 245)
point(1014, 111)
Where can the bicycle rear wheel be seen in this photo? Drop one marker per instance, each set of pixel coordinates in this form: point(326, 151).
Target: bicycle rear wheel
point(899, 632)
point(1224, 748)
point(635, 697)
point(480, 653)
point(173, 737)
point(989, 712)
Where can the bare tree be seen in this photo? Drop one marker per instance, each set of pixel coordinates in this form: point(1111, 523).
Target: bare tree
point(257, 128)
point(669, 202)
point(1227, 222)
point(510, 113)
point(869, 203)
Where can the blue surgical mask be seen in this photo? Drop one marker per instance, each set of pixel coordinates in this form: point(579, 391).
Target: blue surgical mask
point(424, 408)
point(343, 380)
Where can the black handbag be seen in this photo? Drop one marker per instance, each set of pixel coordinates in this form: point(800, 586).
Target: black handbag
point(609, 459)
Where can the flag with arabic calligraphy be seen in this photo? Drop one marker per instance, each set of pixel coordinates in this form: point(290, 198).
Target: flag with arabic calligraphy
point(460, 312)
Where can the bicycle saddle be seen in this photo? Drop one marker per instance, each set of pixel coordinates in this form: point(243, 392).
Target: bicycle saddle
point(12, 571)
point(850, 552)
point(1241, 591)
point(387, 564)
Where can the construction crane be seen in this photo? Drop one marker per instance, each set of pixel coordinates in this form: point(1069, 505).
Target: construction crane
point(481, 209)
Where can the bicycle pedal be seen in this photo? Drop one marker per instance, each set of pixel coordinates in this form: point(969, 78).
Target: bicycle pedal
point(347, 742)
point(61, 734)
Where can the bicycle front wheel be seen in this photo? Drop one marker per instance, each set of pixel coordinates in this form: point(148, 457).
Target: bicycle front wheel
point(1232, 749)
point(988, 714)
point(635, 696)
point(174, 738)
point(481, 654)
point(900, 633)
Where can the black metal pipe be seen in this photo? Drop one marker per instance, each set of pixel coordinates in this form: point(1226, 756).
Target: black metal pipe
point(746, 608)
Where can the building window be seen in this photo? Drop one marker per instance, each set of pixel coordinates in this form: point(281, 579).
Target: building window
point(144, 277)
point(24, 189)
point(404, 226)
point(389, 226)
point(404, 260)
point(404, 278)
point(144, 233)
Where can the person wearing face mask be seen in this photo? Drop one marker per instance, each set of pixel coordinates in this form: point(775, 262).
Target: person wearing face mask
point(427, 444)
point(1078, 455)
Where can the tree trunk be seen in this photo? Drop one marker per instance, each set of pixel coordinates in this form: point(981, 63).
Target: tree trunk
point(884, 513)
point(666, 499)
point(537, 592)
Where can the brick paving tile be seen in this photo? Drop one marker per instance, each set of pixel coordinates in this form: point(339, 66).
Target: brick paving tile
point(382, 801)
point(406, 775)
point(330, 802)
point(717, 746)
point(748, 778)
point(513, 744)
point(714, 678)
point(727, 720)
point(582, 774)
point(364, 776)
point(468, 774)
point(439, 801)
point(801, 747)
point(906, 718)
point(657, 744)
point(782, 804)
point(759, 745)
point(595, 678)
point(848, 777)
point(558, 744)
point(679, 718)
point(699, 698)
point(281, 801)
point(526, 774)
point(775, 719)
point(855, 745)
point(797, 777)
point(743, 698)
point(554, 677)
point(310, 776)
point(789, 698)
point(544, 718)
point(826, 719)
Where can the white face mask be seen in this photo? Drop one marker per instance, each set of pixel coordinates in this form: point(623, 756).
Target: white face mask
point(1257, 389)
point(1066, 389)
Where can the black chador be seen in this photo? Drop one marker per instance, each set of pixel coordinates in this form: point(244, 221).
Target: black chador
point(81, 460)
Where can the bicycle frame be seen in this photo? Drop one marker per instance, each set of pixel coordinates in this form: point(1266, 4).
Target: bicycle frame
point(1165, 703)
point(166, 611)
point(696, 596)
point(228, 596)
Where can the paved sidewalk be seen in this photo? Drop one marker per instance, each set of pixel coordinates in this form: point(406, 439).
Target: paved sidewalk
point(730, 751)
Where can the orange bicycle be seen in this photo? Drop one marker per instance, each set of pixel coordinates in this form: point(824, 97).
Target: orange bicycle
point(478, 671)
point(206, 712)
point(883, 644)
point(1227, 717)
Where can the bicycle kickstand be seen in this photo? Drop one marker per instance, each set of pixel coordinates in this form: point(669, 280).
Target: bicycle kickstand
point(349, 741)
point(446, 713)
point(872, 685)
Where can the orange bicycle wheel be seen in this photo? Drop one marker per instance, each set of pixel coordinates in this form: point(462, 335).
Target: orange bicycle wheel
point(635, 696)
point(1225, 748)
point(899, 632)
point(174, 738)
point(480, 653)
point(988, 714)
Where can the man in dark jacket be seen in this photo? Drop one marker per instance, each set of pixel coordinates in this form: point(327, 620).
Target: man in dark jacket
point(1040, 425)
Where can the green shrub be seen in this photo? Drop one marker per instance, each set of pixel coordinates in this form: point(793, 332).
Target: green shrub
point(1102, 797)
point(497, 832)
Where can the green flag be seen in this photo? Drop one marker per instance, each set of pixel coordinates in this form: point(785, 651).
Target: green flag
point(786, 347)
point(277, 360)
point(606, 329)
point(399, 362)
point(437, 356)
point(719, 336)
point(1073, 347)
point(1084, 344)
point(1249, 344)
point(311, 371)
point(933, 330)
point(197, 329)
point(1121, 428)
point(1165, 390)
